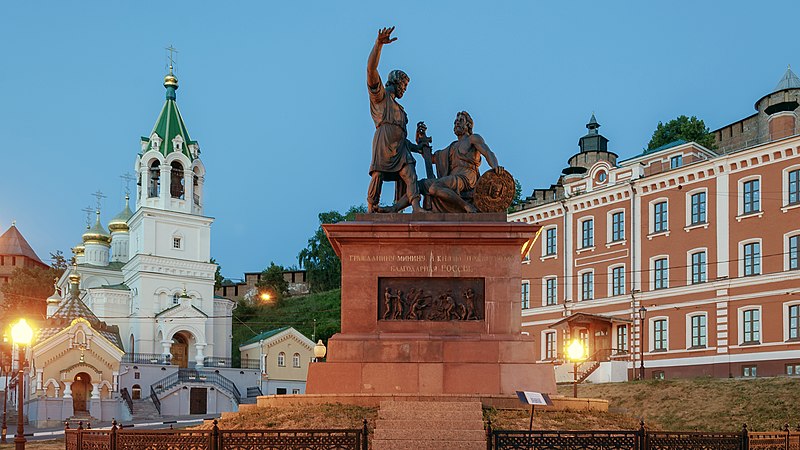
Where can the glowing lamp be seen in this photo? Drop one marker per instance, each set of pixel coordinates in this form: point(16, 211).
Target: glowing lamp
point(319, 350)
point(575, 351)
point(22, 333)
point(265, 296)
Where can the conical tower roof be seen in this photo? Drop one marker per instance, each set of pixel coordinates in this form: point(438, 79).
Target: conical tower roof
point(170, 125)
point(120, 222)
point(12, 243)
point(788, 81)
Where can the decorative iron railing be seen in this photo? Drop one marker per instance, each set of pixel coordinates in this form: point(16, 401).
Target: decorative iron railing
point(215, 439)
point(195, 376)
point(642, 439)
point(244, 363)
point(155, 399)
point(146, 358)
point(127, 397)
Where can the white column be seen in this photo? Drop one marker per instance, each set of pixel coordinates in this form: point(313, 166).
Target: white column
point(39, 376)
point(115, 380)
point(188, 190)
point(165, 182)
point(166, 348)
point(199, 357)
point(68, 389)
point(95, 391)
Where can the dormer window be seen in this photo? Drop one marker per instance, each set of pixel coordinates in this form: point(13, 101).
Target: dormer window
point(602, 177)
point(177, 143)
point(676, 161)
point(156, 141)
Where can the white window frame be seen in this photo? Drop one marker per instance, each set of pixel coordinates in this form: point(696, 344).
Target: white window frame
point(689, 195)
point(740, 195)
point(760, 256)
point(544, 289)
point(785, 185)
point(545, 255)
point(689, 329)
point(689, 274)
point(651, 333)
point(296, 360)
point(673, 157)
point(580, 285)
point(522, 291)
point(181, 241)
point(651, 225)
point(610, 226)
point(786, 256)
point(543, 349)
point(580, 233)
point(740, 324)
point(628, 330)
point(786, 307)
point(611, 268)
point(281, 359)
point(652, 272)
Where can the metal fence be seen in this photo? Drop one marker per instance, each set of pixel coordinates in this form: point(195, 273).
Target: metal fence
point(215, 439)
point(642, 439)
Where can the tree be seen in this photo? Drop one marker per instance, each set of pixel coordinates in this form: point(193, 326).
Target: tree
point(28, 288)
point(690, 129)
point(273, 283)
point(323, 267)
point(218, 278)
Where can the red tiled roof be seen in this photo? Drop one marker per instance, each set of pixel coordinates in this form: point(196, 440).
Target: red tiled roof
point(13, 244)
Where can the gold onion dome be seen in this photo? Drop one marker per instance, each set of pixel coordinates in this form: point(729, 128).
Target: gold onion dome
point(171, 80)
point(120, 222)
point(97, 234)
point(74, 276)
point(79, 249)
point(55, 298)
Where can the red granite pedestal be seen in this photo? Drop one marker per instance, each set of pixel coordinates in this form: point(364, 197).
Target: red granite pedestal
point(488, 355)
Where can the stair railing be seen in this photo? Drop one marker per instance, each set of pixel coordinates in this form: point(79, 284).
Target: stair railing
point(194, 376)
point(127, 397)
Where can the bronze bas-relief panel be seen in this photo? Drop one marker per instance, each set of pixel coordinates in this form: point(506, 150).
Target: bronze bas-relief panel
point(431, 299)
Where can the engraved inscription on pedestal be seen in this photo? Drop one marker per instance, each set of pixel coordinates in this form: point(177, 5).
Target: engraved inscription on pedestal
point(432, 299)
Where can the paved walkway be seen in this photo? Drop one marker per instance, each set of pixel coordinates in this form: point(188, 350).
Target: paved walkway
point(54, 433)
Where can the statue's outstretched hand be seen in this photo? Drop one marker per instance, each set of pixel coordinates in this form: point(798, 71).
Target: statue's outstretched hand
point(385, 36)
point(500, 170)
point(422, 136)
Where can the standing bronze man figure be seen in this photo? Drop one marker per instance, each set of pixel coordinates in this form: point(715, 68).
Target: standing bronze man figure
point(391, 149)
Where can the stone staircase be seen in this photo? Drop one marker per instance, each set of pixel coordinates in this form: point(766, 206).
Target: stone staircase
point(145, 411)
point(404, 425)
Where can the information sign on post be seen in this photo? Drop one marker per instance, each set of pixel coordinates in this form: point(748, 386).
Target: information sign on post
point(533, 399)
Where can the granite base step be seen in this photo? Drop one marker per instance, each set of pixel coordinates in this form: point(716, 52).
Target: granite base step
point(429, 425)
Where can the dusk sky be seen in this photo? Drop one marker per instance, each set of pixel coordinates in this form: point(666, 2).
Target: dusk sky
point(275, 94)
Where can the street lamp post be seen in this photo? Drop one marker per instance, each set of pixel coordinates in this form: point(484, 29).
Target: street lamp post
point(576, 354)
point(642, 312)
point(5, 360)
point(22, 334)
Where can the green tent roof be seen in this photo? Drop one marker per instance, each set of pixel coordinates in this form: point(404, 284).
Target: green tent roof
point(170, 124)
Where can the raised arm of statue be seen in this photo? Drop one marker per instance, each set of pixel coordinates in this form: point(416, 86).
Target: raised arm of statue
point(384, 37)
point(477, 141)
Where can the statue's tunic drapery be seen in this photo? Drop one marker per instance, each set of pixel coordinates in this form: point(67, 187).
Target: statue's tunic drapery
point(390, 146)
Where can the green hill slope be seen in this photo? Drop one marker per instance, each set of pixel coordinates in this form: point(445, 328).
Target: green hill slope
point(297, 312)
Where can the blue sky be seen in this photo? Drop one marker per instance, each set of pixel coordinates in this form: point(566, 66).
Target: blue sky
point(275, 94)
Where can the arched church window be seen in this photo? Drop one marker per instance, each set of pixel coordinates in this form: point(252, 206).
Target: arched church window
point(176, 187)
point(155, 182)
point(296, 360)
point(195, 184)
point(176, 298)
point(281, 359)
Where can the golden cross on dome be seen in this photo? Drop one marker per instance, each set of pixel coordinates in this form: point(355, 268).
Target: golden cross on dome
point(128, 177)
point(88, 210)
point(99, 195)
point(171, 50)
